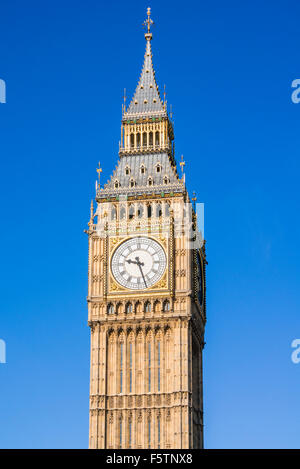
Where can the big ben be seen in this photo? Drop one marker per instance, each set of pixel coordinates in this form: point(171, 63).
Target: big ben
point(146, 287)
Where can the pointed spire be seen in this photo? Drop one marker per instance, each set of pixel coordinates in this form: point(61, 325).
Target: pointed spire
point(146, 100)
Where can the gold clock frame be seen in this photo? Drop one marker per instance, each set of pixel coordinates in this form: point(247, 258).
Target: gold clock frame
point(163, 284)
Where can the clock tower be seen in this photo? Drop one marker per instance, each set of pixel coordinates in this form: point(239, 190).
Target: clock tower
point(146, 288)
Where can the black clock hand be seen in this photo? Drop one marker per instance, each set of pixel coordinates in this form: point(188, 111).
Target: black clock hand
point(140, 267)
point(133, 262)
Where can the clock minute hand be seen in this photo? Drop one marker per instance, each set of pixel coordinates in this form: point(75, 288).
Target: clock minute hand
point(140, 267)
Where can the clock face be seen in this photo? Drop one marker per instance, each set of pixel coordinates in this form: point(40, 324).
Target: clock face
point(138, 263)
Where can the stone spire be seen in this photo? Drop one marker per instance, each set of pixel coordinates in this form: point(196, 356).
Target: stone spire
point(146, 100)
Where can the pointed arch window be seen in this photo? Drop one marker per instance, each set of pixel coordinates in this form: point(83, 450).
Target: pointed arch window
point(138, 140)
point(158, 168)
point(130, 433)
point(149, 211)
point(157, 139)
point(121, 366)
point(122, 213)
point(147, 307)
point(150, 182)
point(158, 432)
point(140, 211)
point(120, 431)
point(113, 213)
point(166, 180)
point(149, 367)
point(132, 140)
point(166, 306)
point(110, 308)
point(149, 433)
point(132, 182)
point(167, 209)
point(130, 367)
point(128, 308)
point(151, 139)
point(158, 210)
point(143, 169)
point(131, 212)
point(144, 139)
point(117, 184)
point(158, 366)
point(127, 169)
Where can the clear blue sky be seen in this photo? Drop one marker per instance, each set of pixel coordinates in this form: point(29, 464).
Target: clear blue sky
point(228, 67)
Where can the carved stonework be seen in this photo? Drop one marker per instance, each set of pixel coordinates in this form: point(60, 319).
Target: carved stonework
point(147, 326)
point(138, 401)
point(180, 273)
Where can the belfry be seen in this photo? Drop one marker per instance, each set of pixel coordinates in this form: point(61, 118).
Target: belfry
point(146, 288)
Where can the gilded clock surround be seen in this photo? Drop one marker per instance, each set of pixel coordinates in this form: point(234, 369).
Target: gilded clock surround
point(146, 345)
point(161, 284)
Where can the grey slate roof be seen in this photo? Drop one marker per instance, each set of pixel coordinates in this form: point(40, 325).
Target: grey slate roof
point(146, 100)
point(141, 185)
point(150, 162)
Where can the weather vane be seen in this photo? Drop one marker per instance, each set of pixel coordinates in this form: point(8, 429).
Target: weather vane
point(148, 23)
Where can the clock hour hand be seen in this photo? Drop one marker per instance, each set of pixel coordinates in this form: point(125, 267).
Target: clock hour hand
point(134, 262)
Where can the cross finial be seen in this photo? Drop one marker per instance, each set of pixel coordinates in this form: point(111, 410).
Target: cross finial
point(99, 171)
point(148, 23)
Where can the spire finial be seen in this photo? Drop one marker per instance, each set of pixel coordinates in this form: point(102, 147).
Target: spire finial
point(182, 164)
point(91, 213)
point(194, 199)
point(148, 23)
point(99, 171)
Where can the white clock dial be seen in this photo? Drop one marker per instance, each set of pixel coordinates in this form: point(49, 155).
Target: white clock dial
point(138, 263)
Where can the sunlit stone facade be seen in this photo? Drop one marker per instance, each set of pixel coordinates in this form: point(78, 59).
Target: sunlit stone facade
point(147, 320)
